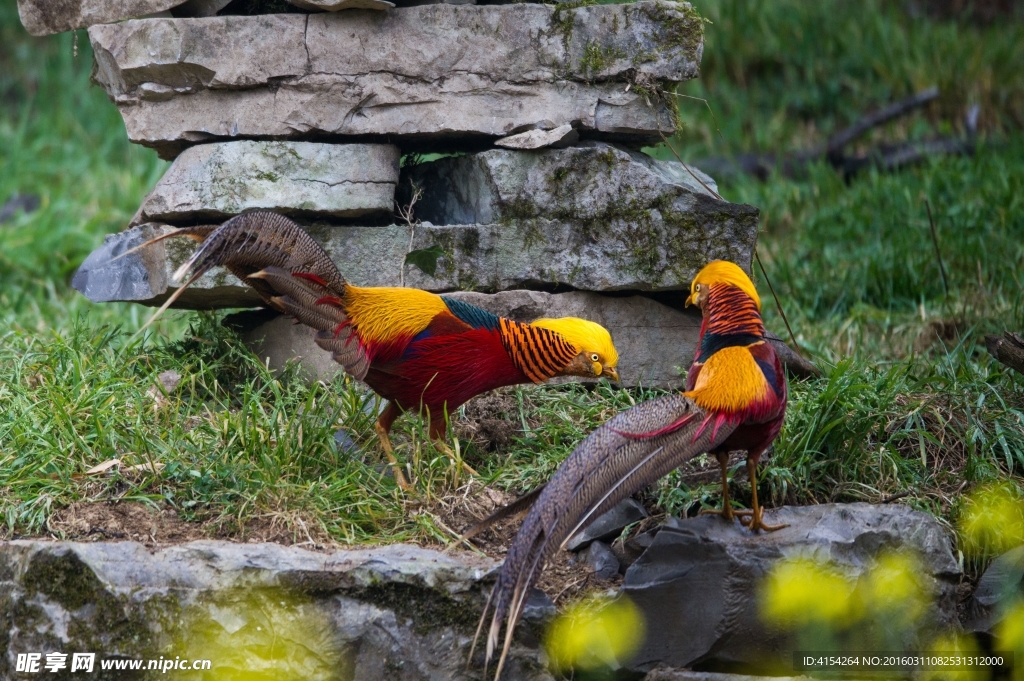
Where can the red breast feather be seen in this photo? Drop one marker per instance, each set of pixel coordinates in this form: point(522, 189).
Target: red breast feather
point(445, 369)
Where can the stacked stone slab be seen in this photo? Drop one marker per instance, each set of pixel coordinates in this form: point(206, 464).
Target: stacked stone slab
point(308, 113)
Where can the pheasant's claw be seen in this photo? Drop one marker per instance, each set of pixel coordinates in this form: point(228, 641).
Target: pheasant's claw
point(755, 521)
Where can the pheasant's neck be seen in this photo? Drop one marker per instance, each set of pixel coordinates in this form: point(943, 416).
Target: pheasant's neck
point(539, 353)
point(730, 311)
point(730, 318)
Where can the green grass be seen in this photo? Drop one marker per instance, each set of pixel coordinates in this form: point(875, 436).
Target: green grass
point(786, 74)
point(899, 411)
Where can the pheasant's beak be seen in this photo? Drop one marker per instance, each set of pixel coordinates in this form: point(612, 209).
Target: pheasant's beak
point(611, 373)
point(689, 301)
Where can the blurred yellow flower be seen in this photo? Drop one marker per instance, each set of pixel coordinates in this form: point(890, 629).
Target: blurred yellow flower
point(954, 645)
point(261, 635)
point(801, 591)
point(893, 586)
point(595, 633)
point(1010, 631)
point(993, 519)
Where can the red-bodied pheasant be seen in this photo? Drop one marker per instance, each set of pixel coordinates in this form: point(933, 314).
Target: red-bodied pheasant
point(420, 351)
point(735, 400)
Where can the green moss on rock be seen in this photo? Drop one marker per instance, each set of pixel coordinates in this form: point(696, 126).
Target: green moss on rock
point(429, 609)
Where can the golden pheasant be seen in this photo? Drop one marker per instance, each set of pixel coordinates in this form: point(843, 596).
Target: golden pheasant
point(420, 351)
point(735, 400)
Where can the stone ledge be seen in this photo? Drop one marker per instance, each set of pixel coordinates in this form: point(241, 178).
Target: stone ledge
point(708, 572)
point(622, 222)
point(357, 613)
point(601, 218)
point(464, 72)
point(45, 17)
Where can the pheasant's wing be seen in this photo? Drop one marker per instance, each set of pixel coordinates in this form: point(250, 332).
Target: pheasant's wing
point(305, 301)
point(624, 455)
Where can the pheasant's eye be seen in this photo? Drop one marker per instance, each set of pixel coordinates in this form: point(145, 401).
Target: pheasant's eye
point(697, 287)
point(594, 357)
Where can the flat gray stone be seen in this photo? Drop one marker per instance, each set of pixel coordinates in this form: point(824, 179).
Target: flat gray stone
point(653, 340)
point(602, 561)
point(610, 525)
point(44, 17)
point(698, 582)
point(562, 136)
point(459, 72)
point(482, 257)
point(216, 181)
point(145, 276)
point(336, 5)
point(399, 611)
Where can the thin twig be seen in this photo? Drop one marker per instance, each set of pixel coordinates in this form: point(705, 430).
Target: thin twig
point(938, 253)
point(713, 119)
point(693, 174)
point(796, 347)
point(778, 304)
point(406, 214)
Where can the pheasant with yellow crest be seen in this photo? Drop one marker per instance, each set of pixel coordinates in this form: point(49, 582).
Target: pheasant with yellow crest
point(420, 351)
point(735, 399)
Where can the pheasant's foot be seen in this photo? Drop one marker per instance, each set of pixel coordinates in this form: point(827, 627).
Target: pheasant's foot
point(755, 521)
point(396, 467)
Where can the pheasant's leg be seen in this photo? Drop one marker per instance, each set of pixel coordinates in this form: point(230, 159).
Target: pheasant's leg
point(383, 427)
point(756, 513)
point(726, 512)
point(437, 433)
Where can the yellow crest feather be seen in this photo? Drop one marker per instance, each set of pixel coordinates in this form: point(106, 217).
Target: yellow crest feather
point(725, 272)
point(585, 335)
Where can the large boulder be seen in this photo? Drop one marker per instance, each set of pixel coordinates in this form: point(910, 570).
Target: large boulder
point(427, 76)
point(699, 582)
point(216, 181)
point(395, 612)
point(655, 342)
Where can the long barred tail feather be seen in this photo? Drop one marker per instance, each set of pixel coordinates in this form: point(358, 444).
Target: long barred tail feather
point(605, 468)
point(253, 241)
point(286, 267)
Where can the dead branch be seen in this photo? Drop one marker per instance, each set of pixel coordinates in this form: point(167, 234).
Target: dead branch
point(884, 156)
point(877, 118)
point(1008, 349)
point(796, 366)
